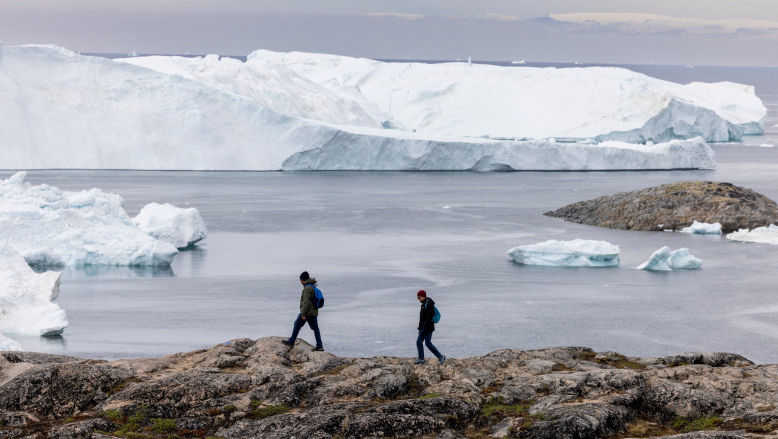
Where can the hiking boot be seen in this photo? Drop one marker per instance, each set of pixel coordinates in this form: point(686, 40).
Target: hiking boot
point(419, 361)
point(442, 359)
point(318, 348)
point(288, 343)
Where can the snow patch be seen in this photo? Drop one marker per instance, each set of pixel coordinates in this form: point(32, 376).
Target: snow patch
point(666, 260)
point(764, 235)
point(49, 226)
point(178, 226)
point(575, 253)
point(699, 228)
point(26, 298)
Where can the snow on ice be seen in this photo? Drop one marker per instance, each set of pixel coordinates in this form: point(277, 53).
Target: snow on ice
point(764, 235)
point(666, 260)
point(178, 226)
point(26, 299)
point(575, 253)
point(49, 226)
point(699, 228)
point(7, 344)
point(305, 111)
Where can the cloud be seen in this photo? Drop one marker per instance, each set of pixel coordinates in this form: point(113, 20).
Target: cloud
point(398, 15)
point(655, 23)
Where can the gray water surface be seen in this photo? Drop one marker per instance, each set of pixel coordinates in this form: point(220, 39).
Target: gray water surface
point(374, 238)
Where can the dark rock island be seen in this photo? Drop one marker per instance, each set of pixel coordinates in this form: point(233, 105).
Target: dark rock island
point(260, 389)
point(674, 206)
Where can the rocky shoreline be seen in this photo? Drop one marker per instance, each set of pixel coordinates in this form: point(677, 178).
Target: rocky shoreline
point(674, 206)
point(260, 389)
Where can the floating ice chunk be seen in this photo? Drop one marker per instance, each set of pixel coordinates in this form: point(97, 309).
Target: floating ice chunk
point(666, 260)
point(767, 145)
point(575, 253)
point(49, 226)
point(178, 226)
point(26, 298)
point(6, 344)
point(764, 235)
point(703, 228)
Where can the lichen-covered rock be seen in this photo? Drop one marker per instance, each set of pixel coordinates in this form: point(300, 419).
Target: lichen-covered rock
point(248, 389)
point(675, 206)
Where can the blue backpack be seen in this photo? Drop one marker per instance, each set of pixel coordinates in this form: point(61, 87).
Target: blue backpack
point(436, 317)
point(318, 297)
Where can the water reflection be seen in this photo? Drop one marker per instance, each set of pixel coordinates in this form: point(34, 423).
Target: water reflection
point(108, 271)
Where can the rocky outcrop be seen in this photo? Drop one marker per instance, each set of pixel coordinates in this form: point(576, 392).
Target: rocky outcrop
point(674, 206)
point(260, 389)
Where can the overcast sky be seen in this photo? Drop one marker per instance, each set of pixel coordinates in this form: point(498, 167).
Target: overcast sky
point(714, 32)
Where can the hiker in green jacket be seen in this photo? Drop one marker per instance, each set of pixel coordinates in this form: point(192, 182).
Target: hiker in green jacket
point(308, 312)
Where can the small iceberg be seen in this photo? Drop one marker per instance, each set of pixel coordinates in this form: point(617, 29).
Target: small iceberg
point(764, 235)
point(26, 300)
point(666, 260)
point(575, 253)
point(699, 228)
point(52, 227)
point(178, 226)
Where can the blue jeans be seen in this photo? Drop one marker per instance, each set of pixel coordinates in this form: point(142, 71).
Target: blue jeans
point(426, 338)
point(312, 322)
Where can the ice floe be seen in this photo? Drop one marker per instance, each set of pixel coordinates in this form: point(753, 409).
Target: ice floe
point(699, 228)
point(575, 253)
point(181, 227)
point(26, 299)
point(49, 226)
point(666, 260)
point(764, 235)
point(272, 112)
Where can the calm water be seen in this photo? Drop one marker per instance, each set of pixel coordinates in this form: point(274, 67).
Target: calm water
point(374, 239)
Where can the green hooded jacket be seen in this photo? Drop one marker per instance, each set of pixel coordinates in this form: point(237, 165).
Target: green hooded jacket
point(306, 306)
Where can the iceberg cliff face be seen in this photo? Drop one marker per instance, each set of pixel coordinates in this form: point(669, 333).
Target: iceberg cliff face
point(666, 260)
point(48, 226)
point(525, 102)
point(26, 299)
point(275, 111)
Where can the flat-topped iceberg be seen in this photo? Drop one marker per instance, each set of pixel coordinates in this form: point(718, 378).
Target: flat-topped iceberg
point(666, 260)
point(49, 226)
point(181, 227)
point(267, 114)
point(26, 306)
point(699, 228)
point(763, 235)
point(575, 253)
point(478, 100)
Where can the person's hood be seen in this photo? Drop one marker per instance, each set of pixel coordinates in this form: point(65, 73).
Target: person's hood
point(310, 281)
point(430, 301)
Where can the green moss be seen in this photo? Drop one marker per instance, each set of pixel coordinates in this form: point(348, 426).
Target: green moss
point(162, 425)
point(113, 415)
point(229, 408)
point(261, 412)
point(686, 425)
point(497, 406)
point(69, 420)
point(621, 362)
point(429, 395)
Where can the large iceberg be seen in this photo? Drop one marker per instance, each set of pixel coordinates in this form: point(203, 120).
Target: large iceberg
point(478, 100)
point(763, 235)
point(666, 260)
point(49, 226)
point(178, 226)
point(575, 253)
point(26, 306)
point(699, 228)
point(64, 110)
point(7, 344)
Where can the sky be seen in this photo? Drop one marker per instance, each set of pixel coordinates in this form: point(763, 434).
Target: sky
point(688, 32)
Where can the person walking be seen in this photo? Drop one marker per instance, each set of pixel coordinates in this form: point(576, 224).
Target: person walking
point(426, 327)
point(309, 313)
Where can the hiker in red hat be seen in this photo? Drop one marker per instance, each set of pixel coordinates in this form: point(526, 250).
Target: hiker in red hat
point(428, 316)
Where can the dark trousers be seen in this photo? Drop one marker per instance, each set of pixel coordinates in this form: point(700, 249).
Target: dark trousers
point(426, 338)
point(312, 322)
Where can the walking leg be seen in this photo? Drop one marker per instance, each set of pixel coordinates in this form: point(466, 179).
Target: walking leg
point(313, 322)
point(419, 345)
point(298, 324)
point(430, 346)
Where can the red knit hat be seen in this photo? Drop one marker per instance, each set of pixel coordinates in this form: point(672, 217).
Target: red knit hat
point(421, 293)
